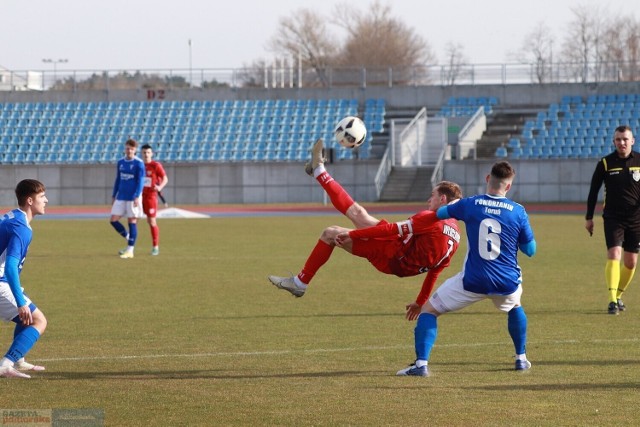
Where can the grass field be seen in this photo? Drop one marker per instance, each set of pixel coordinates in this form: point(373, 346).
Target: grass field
point(197, 336)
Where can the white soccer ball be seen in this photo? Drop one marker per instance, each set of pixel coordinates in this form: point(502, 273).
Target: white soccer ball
point(351, 132)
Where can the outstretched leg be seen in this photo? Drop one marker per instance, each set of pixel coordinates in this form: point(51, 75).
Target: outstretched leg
point(339, 197)
point(297, 285)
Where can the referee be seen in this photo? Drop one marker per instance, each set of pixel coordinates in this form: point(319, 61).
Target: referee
point(620, 172)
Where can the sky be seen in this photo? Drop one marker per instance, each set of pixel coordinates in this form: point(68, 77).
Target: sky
point(155, 34)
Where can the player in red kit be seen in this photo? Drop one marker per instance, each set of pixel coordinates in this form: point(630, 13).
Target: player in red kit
point(154, 181)
point(419, 244)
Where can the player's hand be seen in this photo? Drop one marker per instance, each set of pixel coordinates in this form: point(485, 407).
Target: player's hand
point(24, 314)
point(341, 239)
point(413, 311)
point(589, 226)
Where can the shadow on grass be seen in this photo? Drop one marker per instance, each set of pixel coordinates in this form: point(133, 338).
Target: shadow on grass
point(556, 387)
point(195, 375)
point(302, 316)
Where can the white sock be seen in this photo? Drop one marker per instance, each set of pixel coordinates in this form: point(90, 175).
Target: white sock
point(420, 363)
point(319, 170)
point(521, 356)
point(6, 363)
point(299, 282)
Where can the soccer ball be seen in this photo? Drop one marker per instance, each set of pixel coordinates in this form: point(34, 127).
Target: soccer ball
point(351, 132)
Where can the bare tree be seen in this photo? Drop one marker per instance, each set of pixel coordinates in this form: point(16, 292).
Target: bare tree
point(372, 39)
point(537, 50)
point(456, 59)
point(304, 35)
point(621, 51)
point(582, 47)
point(376, 39)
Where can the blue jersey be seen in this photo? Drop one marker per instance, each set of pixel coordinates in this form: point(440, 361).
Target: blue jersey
point(15, 238)
point(495, 228)
point(129, 179)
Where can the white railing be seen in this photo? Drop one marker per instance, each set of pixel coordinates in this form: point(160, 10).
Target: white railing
point(410, 141)
point(470, 133)
point(384, 169)
point(438, 170)
point(285, 75)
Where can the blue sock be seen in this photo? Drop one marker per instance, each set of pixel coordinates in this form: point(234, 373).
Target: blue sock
point(517, 324)
point(22, 343)
point(425, 335)
point(19, 328)
point(119, 228)
point(133, 233)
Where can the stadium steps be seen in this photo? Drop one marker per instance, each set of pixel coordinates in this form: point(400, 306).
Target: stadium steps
point(407, 184)
point(501, 126)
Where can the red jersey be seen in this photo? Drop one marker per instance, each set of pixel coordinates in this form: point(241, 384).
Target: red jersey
point(422, 244)
point(154, 172)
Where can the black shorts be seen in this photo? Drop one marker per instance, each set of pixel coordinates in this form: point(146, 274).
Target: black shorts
point(622, 232)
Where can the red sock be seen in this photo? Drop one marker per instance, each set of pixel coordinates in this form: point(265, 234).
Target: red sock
point(319, 256)
point(155, 235)
point(340, 199)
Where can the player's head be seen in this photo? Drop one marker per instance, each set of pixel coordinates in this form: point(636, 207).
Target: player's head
point(31, 195)
point(623, 140)
point(443, 193)
point(130, 148)
point(147, 153)
point(501, 176)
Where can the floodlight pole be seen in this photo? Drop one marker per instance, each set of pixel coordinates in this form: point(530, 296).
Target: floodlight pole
point(55, 63)
point(190, 66)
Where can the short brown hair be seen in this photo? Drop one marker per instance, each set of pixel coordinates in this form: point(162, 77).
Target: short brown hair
point(623, 129)
point(28, 188)
point(502, 170)
point(131, 142)
point(449, 189)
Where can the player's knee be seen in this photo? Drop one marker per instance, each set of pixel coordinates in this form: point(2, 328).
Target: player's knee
point(329, 234)
point(360, 217)
point(39, 321)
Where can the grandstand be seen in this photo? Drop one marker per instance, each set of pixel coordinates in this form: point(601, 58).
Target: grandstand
point(575, 127)
point(247, 145)
point(180, 131)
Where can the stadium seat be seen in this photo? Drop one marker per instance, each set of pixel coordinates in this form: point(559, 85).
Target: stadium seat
point(501, 152)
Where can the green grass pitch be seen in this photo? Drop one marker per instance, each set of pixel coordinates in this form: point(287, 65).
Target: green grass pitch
point(197, 335)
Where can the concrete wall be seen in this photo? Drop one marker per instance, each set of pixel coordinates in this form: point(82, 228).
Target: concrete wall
point(553, 180)
point(240, 183)
point(195, 183)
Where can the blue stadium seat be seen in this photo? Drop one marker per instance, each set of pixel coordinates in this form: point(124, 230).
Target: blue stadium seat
point(501, 152)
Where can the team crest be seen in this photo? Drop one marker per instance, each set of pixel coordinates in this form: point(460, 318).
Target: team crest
point(636, 175)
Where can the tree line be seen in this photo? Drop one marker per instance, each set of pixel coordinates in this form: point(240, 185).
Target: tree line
point(594, 45)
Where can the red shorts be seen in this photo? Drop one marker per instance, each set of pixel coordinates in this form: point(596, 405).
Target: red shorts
point(380, 252)
point(150, 204)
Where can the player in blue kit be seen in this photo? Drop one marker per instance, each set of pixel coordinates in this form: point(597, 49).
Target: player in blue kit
point(496, 228)
point(15, 306)
point(127, 196)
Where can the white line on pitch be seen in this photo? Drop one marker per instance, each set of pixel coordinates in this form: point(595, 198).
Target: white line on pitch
point(319, 350)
